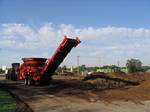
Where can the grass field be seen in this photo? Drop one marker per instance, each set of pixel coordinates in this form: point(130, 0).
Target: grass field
point(7, 103)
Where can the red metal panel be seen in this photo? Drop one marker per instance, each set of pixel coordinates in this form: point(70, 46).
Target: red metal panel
point(64, 48)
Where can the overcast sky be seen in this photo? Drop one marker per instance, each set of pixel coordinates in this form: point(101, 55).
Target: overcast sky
point(110, 30)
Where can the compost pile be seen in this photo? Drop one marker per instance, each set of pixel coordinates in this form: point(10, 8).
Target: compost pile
point(128, 93)
point(89, 91)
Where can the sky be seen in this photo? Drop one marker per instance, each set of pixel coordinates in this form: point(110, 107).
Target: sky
point(111, 31)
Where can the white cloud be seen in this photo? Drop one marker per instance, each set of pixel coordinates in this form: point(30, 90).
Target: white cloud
point(27, 37)
point(109, 43)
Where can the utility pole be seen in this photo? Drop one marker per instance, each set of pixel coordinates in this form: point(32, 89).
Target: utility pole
point(78, 63)
point(118, 63)
point(99, 61)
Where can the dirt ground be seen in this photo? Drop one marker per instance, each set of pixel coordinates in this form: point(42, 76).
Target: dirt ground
point(128, 93)
point(68, 93)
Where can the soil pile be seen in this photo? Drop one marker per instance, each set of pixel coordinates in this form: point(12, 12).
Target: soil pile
point(87, 90)
point(128, 93)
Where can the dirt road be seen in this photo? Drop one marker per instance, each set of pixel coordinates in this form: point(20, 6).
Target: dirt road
point(59, 97)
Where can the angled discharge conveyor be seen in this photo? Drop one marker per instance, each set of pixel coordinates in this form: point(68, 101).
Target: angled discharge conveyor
point(64, 48)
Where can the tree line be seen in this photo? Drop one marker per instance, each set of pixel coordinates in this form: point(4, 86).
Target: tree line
point(132, 65)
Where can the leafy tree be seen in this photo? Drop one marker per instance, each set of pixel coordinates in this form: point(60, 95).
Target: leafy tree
point(113, 68)
point(1, 70)
point(145, 68)
point(82, 68)
point(134, 65)
point(64, 67)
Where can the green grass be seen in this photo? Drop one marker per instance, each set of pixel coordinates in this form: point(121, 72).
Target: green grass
point(7, 103)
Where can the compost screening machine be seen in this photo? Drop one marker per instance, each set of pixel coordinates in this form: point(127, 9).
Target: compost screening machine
point(41, 69)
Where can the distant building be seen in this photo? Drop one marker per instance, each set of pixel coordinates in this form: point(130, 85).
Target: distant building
point(105, 70)
point(4, 68)
point(110, 70)
point(71, 69)
point(125, 70)
point(148, 71)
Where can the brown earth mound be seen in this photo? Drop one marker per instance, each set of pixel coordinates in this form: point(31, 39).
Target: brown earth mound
point(128, 93)
point(86, 90)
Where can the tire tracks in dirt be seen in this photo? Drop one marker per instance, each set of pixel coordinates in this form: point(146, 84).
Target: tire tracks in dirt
point(21, 105)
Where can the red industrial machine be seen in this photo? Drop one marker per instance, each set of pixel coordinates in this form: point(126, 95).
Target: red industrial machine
point(41, 69)
point(13, 72)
